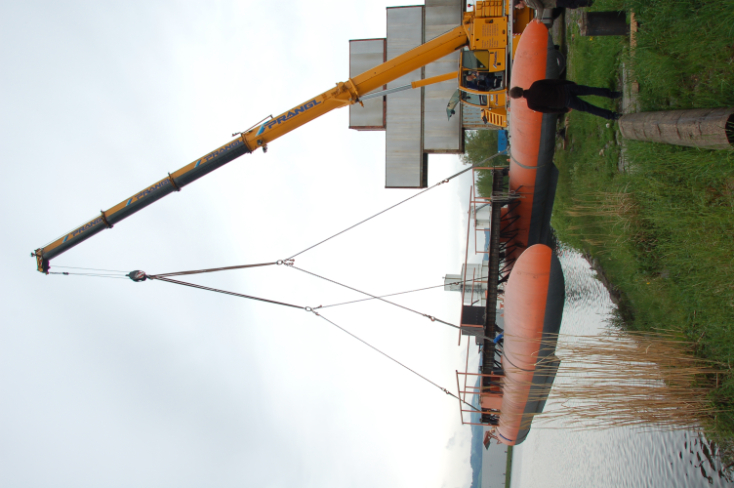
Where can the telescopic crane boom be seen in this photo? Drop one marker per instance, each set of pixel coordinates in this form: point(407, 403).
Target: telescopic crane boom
point(473, 32)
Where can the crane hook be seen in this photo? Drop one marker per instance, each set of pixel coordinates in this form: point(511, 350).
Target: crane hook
point(137, 275)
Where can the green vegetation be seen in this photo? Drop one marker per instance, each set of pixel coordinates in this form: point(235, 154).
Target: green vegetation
point(685, 53)
point(660, 224)
point(478, 146)
point(508, 468)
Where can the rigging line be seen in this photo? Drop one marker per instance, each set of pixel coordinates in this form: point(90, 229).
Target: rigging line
point(394, 360)
point(213, 270)
point(309, 309)
point(96, 275)
point(502, 351)
point(431, 317)
point(398, 293)
point(225, 292)
point(91, 269)
point(397, 204)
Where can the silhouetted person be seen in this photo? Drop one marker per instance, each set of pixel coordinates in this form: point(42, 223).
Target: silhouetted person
point(558, 96)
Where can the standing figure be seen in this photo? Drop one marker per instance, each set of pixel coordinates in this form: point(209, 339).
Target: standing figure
point(558, 96)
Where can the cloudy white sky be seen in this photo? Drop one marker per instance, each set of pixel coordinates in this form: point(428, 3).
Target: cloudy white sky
point(111, 383)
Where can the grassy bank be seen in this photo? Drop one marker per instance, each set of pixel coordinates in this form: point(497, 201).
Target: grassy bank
point(661, 224)
point(508, 467)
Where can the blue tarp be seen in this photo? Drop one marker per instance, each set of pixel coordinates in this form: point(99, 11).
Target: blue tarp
point(501, 140)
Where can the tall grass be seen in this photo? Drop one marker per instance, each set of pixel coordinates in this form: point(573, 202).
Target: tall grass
point(661, 224)
point(685, 53)
point(640, 380)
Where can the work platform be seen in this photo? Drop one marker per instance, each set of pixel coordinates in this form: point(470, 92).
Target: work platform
point(482, 285)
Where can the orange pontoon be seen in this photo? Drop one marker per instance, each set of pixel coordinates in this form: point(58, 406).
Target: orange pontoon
point(533, 309)
point(532, 134)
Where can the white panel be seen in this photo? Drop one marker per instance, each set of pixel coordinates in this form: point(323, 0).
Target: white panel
point(404, 154)
point(404, 141)
point(363, 55)
point(441, 135)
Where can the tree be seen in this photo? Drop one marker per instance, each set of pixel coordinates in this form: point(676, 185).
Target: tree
point(478, 146)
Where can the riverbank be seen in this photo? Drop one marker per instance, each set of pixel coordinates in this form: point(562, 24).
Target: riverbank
point(657, 220)
point(508, 467)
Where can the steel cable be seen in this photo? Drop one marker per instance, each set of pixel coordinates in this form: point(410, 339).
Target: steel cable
point(431, 317)
point(398, 293)
point(394, 360)
point(214, 270)
point(309, 309)
point(96, 275)
point(225, 292)
point(446, 180)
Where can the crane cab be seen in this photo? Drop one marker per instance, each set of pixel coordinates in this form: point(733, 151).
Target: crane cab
point(483, 84)
point(493, 30)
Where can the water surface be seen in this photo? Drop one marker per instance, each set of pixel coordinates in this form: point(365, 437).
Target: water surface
point(619, 457)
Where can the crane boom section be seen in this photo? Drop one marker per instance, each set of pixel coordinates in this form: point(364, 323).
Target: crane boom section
point(174, 182)
point(343, 94)
point(350, 91)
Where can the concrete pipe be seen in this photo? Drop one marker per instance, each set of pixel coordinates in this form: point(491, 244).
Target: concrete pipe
point(709, 128)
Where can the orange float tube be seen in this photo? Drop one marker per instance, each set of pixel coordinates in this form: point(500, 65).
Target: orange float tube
point(534, 299)
point(532, 139)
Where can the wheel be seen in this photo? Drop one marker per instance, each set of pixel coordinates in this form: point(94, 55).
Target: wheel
point(560, 62)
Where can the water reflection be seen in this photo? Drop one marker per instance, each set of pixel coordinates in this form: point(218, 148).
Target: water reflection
point(617, 457)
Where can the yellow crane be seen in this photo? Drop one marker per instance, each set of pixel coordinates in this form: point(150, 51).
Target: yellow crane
point(483, 74)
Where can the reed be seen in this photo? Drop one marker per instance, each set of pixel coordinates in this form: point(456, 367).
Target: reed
point(620, 204)
point(631, 379)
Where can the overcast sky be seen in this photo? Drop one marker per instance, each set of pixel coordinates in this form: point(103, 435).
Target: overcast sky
point(111, 383)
